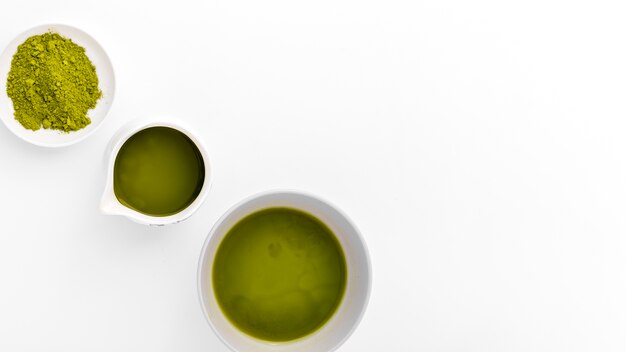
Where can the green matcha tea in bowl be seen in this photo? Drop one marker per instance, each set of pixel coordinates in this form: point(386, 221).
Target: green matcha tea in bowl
point(157, 171)
point(284, 271)
point(57, 85)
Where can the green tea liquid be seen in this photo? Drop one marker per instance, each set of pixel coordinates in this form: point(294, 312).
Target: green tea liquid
point(279, 274)
point(158, 171)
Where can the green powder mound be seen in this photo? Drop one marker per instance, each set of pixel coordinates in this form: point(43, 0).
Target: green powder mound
point(52, 84)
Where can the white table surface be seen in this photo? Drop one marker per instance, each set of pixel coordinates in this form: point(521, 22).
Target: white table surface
point(479, 146)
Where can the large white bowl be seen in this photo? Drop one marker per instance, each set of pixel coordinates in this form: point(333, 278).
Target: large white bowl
point(106, 77)
point(345, 320)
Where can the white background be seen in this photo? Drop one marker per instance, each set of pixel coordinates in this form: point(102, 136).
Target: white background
point(479, 146)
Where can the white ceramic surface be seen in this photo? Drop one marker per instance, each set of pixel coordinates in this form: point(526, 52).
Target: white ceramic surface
point(106, 77)
point(111, 206)
point(356, 297)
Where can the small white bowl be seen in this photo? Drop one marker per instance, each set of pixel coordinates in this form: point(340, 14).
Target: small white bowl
point(106, 78)
point(109, 204)
point(345, 320)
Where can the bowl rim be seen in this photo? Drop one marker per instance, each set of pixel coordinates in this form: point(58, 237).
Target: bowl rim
point(203, 260)
point(52, 27)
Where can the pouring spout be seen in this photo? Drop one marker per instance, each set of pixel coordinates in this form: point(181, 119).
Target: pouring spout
point(109, 205)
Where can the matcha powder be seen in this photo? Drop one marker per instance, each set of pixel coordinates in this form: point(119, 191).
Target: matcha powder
point(52, 84)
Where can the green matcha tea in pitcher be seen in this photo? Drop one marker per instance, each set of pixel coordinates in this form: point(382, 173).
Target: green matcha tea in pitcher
point(158, 171)
point(279, 274)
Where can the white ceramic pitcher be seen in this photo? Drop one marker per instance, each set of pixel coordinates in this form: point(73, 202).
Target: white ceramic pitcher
point(111, 206)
